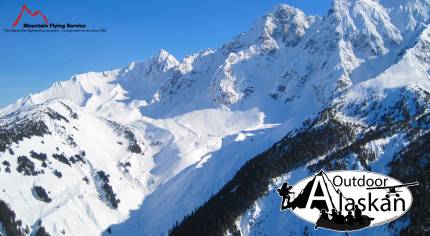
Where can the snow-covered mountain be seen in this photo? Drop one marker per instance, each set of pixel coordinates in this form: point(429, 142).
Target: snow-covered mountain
point(135, 150)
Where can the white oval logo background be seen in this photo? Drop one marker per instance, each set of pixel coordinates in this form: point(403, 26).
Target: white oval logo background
point(339, 180)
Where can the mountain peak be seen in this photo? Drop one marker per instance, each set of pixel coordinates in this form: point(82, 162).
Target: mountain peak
point(286, 24)
point(283, 25)
point(285, 14)
point(366, 23)
point(166, 59)
point(285, 8)
point(163, 54)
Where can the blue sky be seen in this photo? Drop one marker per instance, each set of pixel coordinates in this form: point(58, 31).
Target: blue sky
point(136, 30)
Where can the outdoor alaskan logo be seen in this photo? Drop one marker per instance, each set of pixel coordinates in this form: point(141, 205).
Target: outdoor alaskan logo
point(347, 200)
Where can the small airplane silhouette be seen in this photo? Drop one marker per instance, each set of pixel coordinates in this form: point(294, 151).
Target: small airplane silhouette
point(392, 189)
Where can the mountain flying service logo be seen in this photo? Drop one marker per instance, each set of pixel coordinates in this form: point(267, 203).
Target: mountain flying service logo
point(46, 26)
point(347, 200)
point(26, 9)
